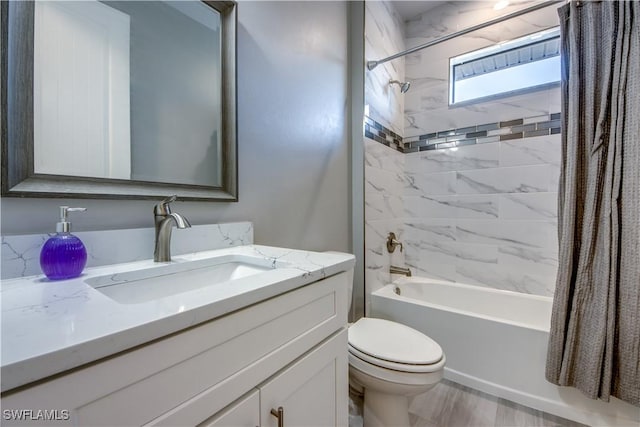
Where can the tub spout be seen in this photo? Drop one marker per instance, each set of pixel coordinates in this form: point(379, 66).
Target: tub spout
point(400, 270)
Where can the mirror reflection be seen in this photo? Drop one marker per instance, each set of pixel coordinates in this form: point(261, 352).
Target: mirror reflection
point(128, 90)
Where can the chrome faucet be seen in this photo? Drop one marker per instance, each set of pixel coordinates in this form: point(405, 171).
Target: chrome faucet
point(164, 219)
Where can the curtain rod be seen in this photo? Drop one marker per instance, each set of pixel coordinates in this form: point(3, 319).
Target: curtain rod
point(373, 64)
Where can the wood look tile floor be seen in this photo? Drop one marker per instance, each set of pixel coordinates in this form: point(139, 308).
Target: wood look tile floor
point(452, 405)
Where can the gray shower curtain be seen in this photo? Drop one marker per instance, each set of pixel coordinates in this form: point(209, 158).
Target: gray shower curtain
point(595, 327)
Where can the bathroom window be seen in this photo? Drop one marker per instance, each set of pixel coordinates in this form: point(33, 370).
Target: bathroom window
point(527, 63)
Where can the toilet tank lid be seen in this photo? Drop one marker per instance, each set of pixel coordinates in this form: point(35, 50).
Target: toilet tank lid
point(393, 342)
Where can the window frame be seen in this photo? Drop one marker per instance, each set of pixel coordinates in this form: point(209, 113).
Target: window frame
point(551, 32)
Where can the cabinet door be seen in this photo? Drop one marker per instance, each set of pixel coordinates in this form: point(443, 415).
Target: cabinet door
point(313, 391)
point(243, 413)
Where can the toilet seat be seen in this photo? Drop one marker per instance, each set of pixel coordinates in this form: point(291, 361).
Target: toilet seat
point(394, 346)
point(393, 376)
point(385, 364)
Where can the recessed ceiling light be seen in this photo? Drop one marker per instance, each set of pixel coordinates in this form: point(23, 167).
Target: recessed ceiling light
point(501, 5)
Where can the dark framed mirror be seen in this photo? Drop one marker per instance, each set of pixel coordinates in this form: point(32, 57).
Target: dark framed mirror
point(119, 99)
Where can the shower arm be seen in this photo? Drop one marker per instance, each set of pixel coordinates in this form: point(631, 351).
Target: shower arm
point(373, 64)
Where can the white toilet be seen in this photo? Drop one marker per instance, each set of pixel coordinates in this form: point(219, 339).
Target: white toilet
point(390, 363)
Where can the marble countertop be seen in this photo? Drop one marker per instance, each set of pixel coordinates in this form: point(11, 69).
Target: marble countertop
point(49, 327)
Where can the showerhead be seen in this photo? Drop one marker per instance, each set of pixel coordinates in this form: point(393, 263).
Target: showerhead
point(404, 86)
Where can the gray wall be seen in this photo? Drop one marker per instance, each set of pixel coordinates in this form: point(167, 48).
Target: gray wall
point(292, 138)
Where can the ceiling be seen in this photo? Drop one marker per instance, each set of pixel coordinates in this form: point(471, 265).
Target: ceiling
point(412, 8)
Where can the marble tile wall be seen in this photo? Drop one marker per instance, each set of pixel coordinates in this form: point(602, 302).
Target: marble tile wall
point(426, 103)
point(21, 253)
point(384, 210)
point(376, 131)
point(384, 36)
point(383, 129)
point(485, 214)
point(482, 214)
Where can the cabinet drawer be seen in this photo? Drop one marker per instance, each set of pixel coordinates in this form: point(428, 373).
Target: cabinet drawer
point(234, 352)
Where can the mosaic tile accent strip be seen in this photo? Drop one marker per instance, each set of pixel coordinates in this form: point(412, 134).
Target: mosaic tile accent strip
point(489, 132)
point(548, 124)
point(382, 134)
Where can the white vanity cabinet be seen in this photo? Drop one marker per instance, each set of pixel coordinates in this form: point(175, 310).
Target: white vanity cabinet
point(244, 413)
point(310, 392)
point(288, 351)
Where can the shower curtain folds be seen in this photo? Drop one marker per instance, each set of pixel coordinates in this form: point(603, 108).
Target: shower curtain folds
point(594, 343)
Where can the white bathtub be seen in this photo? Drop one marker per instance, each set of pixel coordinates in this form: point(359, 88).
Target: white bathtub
point(495, 341)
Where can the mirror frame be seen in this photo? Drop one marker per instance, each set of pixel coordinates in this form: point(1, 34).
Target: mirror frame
point(18, 177)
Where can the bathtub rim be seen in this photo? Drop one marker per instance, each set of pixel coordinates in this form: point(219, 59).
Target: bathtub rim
point(387, 291)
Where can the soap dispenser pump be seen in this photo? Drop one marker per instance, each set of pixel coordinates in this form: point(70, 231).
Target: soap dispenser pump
point(63, 255)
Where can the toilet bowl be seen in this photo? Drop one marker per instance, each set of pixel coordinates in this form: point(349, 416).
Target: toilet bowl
point(390, 362)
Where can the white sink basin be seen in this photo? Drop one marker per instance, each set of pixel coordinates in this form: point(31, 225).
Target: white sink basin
point(149, 284)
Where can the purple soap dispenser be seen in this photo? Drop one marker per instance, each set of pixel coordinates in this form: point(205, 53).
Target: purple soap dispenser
point(63, 256)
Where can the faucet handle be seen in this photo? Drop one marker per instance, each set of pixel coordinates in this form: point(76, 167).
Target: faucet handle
point(163, 208)
point(392, 242)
